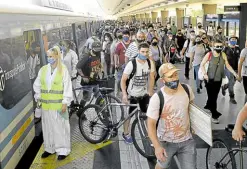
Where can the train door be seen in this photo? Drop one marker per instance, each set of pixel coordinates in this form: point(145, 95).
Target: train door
point(34, 48)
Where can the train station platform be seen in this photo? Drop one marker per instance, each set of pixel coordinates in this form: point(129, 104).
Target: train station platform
point(115, 154)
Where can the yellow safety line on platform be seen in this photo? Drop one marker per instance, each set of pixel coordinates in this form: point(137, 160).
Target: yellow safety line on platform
point(79, 150)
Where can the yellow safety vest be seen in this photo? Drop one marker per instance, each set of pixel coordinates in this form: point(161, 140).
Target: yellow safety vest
point(52, 99)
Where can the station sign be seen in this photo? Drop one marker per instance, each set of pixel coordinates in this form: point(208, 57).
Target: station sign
point(232, 8)
point(57, 5)
point(231, 17)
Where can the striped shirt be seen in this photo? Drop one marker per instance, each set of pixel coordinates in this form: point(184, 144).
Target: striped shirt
point(132, 50)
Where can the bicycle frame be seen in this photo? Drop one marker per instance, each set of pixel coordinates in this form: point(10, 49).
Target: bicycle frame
point(239, 150)
point(118, 125)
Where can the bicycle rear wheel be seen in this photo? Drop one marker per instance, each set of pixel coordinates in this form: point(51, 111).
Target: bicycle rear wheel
point(91, 127)
point(217, 156)
point(140, 138)
point(117, 111)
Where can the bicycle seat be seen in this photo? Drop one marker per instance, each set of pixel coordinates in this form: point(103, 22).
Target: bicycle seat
point(105, 90)
point(229, 128)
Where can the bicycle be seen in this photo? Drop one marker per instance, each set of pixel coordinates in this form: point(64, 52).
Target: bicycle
point(108, 128)
point(101, 95)
point(228, 160)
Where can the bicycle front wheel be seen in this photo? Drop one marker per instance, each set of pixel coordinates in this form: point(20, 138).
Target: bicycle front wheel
point(219, 157)
point(91, 126)
point(117, 112)
point(140, 138)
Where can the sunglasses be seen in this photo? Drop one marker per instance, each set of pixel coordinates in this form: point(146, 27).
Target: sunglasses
point(218, 46)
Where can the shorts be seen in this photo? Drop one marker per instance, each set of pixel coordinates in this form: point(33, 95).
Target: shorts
point(185, 152)
point(143, 102)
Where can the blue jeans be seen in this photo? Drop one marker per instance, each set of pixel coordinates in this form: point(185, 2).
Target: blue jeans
point(230, 84)
point(196, 69)
point(185, 152)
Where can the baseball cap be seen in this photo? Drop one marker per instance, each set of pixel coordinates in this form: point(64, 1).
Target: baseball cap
point(169, 69)
point(96, 46)
point(169, 33)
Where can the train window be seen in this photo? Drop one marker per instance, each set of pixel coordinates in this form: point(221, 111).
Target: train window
point(53, 37)
point(66, 33)
point(81, 34)
point(14, 79)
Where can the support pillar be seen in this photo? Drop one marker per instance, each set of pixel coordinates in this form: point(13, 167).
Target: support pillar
point(180, 16)
point(164, 17)
point(242, 25)
point(154, 16)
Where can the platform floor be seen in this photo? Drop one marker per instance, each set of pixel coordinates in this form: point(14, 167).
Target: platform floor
point(115, 154)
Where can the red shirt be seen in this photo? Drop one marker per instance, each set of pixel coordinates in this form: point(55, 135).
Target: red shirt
point(120, 51)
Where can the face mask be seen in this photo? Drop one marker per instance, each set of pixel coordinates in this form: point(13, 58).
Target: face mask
point(198, 42)
point(120, 37)
point(96, 53)
point(126, 38)
point(51, 60)
point(173, 84)
point(220, 33)
point(233, 42)
point(140, 40)
point(106, 30)
point(190, 26)
point(170, 38)
point(142, 57)
point(107, 39)
point(200, 26)
point(155, 43)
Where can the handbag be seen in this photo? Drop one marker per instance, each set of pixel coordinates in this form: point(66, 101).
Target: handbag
point(200, 72)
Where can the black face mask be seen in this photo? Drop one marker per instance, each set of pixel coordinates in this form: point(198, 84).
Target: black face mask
point(220, 33)
point(140, 40)
point(107, 30)
point(190, 26)
point(120, 37)
point(199, 42)
point(199, 26)
point(96, 53)
point(155, 43)
point(218, 50)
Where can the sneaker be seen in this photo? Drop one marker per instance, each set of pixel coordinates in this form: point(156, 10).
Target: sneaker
point(127, 139)
point(223, 90)
point(187, 78)
point(215, 121)
point(233, 101)
point(45, 154)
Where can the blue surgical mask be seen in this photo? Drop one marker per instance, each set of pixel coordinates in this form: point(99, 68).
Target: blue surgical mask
point(233, 42)
point(142, 57)
point(172, 84)
point(126, 38)
point(51, 60)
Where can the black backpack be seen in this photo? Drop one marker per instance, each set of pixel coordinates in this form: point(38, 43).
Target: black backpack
point(134, 71)
point(162, 101)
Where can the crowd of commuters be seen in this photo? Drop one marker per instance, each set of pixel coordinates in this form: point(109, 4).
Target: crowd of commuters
point(140, 54)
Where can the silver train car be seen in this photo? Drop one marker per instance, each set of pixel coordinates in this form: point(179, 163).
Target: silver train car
point(24, 29)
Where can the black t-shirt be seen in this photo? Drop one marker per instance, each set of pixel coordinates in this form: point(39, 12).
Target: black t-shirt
point(233, 55)
point(90, 66)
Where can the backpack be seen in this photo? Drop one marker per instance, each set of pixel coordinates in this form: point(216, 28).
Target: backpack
point(134, 71)
point(162, 101)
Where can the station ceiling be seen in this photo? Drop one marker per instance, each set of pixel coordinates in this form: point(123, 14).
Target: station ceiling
point(126, 7)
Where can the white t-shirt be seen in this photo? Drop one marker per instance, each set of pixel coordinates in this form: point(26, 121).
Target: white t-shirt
point(139, 83)
point(174, 126)
point(187, 54)
point(132, 50)
point(244, 67)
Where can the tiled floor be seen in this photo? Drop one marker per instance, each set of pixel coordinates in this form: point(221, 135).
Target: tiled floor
point(118, 155)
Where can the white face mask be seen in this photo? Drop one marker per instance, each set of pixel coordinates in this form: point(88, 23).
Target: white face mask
point(107, 39)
